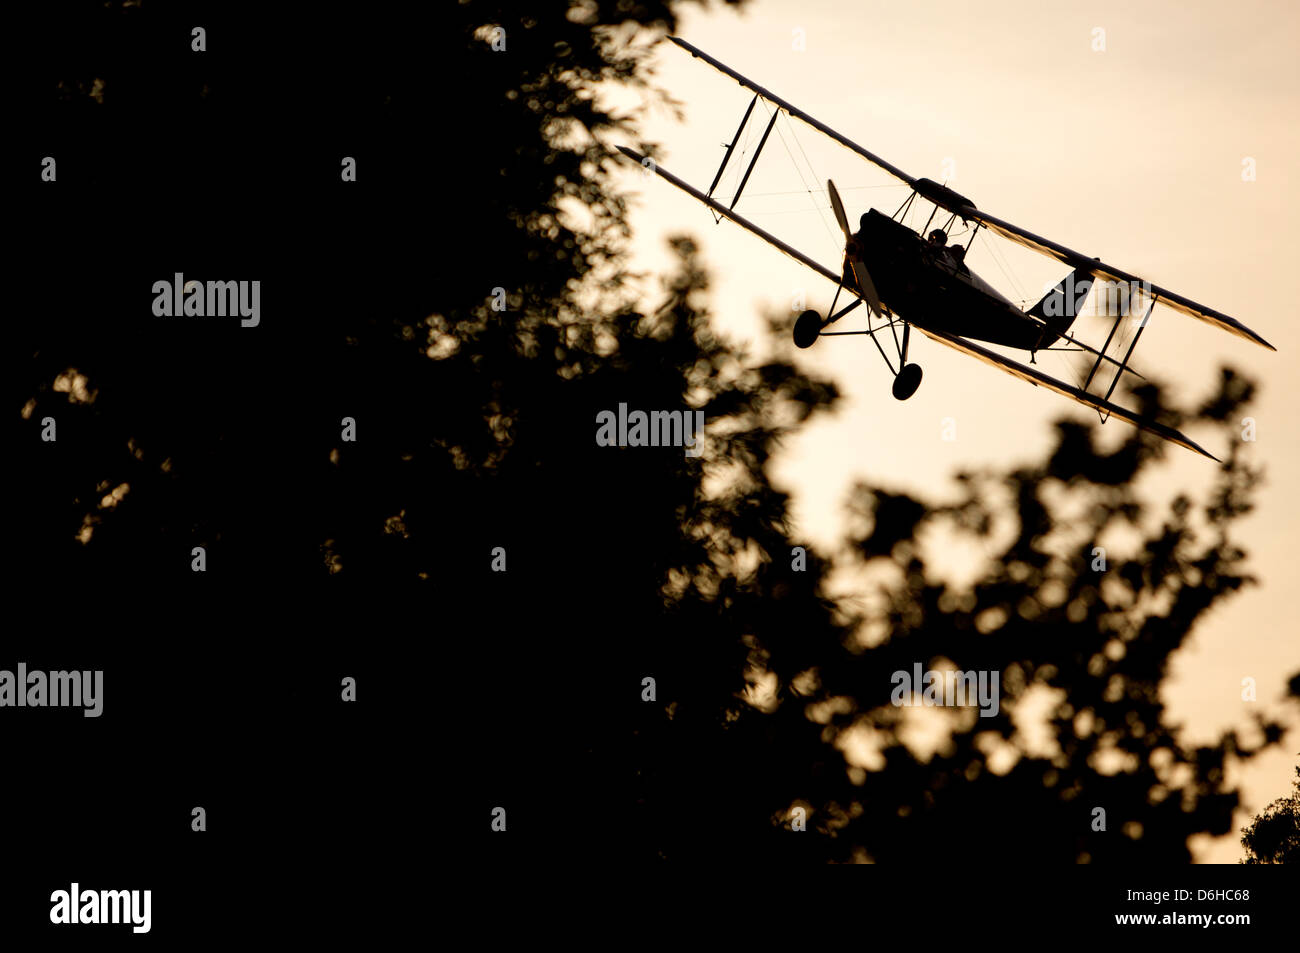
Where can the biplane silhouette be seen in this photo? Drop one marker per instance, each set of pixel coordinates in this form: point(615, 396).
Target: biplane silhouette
point(906, 280)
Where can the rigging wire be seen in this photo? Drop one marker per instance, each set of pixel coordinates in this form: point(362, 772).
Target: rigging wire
point(1003, 266)
point(821, 215)
point(732, 174)
point(816, 179)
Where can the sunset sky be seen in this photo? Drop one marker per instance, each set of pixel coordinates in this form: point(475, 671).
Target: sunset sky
point(1133, 154)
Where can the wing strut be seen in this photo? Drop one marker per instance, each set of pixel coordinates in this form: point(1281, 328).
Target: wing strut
point(796, 112)
point(1132, 344)
point(734, 216)
point(1037, 377)
point(735, 139)
point(754, 161)
point(1101, 355)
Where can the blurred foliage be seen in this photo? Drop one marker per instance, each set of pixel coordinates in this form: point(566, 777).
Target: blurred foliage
point(1273, 837)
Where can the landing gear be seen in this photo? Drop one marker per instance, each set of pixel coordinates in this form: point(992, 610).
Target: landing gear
point(907, 381)
point(807, 328)
point(908, 378)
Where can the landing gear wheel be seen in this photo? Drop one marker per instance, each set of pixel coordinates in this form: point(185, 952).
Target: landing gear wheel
point(807, 328)
point(907, 381)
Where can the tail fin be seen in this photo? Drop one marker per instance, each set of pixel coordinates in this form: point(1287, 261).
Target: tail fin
point(1062, 304)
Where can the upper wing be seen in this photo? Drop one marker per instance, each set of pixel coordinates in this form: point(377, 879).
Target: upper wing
point(1037, 377)
point(948, 199)
point(1109, 272)
point(795, 111)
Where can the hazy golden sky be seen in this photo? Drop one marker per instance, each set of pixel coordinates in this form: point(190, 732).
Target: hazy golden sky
point(1134, 155)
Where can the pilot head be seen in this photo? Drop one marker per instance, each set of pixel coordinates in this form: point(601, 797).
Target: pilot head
point(938, 237)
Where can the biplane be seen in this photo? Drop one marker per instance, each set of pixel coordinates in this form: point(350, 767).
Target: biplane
point(909, 279)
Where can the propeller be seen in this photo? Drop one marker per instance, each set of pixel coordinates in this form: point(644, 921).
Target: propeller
point(838, 206)
point(851, 252)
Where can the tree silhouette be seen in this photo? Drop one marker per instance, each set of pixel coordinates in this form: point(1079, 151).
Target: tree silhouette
point(1273, 836)
point(524, 689)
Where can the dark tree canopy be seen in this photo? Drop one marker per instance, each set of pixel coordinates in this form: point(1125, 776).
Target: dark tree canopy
point(1273, 837)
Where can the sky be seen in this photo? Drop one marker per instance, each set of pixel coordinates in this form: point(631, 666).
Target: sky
point(1128, 144)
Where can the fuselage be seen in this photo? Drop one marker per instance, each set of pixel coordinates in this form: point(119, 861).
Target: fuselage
point(932, 288)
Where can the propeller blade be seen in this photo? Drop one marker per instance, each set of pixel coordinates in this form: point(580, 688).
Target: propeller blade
point(838, 206)
point(866, 285)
